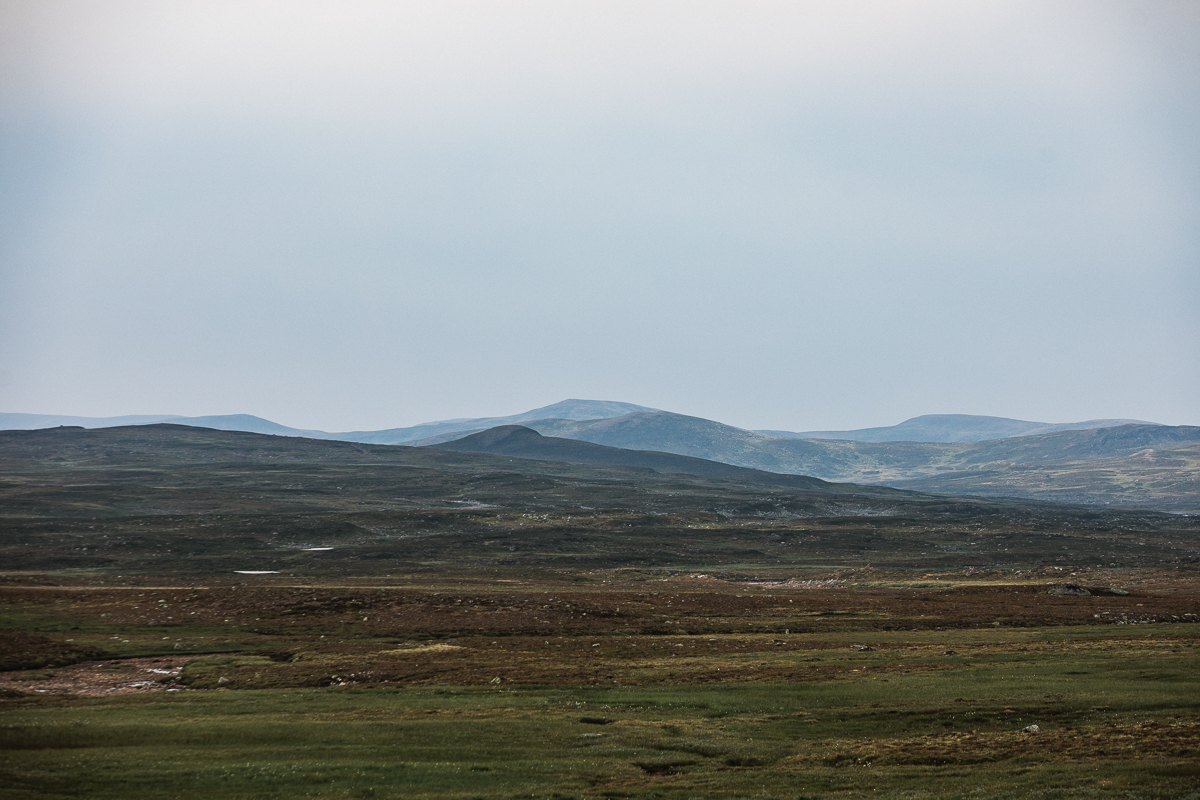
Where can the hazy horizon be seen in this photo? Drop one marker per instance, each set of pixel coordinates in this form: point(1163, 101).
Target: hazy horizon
point(136, 419)
point(791, 216)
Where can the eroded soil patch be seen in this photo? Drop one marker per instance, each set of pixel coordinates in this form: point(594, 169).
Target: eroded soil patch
point(120, 676)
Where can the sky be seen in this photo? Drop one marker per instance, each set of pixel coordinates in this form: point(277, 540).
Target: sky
point(792, 215)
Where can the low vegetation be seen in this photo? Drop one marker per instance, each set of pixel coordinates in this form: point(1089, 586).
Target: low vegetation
point(470, 629)
point(634, 687)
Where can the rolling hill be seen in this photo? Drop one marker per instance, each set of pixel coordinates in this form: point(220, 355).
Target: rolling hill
point(221, 422)
point(971, 466)
point(176, 500)
point(1162, 479)
point(1080, 462)
point(522, 442)
point(574, 410)
point(566, 409)
point(955, 428)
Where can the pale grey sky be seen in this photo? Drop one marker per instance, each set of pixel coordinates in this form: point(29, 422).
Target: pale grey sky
point(797, 215)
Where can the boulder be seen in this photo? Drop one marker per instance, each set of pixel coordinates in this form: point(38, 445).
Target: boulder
point(1070, 588)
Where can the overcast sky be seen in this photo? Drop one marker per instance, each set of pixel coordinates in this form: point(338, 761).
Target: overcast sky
point(797, 215)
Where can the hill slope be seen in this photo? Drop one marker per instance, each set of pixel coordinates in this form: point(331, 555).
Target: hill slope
point(909, 463)
point(175, 500)
point(955, 428)
point(522, 442)
point(29, 422)
point(574, 410)
point(566, 409)
point(1166, 480)
point(1099, 468)
point(153, 469)
point(221, 422)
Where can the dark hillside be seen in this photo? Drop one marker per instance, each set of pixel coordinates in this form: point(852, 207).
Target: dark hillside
point(934, 466)
point(180, 469)
point(516, 440)
point(574, 410)
point(184, 501)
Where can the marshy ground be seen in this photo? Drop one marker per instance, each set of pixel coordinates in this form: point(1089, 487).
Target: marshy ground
point(614, 684)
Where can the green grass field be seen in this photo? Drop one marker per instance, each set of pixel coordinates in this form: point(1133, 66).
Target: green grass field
point(1118, 717)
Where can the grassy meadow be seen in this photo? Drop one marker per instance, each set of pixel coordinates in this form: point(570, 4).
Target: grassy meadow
point(862, 709)
point(951, 733)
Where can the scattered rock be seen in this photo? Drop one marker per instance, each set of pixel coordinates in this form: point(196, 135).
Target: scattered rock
point(863, 648)
point(661, 767)
point(949, 653)
point(1071, 589)
point(1031, 729)
point(222, 680)
point(1118, 592)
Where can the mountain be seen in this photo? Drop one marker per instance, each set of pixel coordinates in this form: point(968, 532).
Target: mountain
point(919, 465)
point(1077, 461)
point(1162, 479)
point(955, 428)
point(702, 438)
point(836, 459)
point(522, 442)
point(29, 422)
point(948, 428)
point(574, 410)
point(223, 422)
point(247, 423)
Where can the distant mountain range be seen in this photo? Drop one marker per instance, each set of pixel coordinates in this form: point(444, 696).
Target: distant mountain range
point(1146, 465)
point(927, 428)
point(574, 410)
point(1099, 461)
point(1108, 466)
point(567, 410)
point(956, 428)
point(247, 423)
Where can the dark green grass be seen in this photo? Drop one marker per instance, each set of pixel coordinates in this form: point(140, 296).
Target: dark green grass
point(858, 737)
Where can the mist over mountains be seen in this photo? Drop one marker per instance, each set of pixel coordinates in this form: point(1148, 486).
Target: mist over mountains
point(1122, 462)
